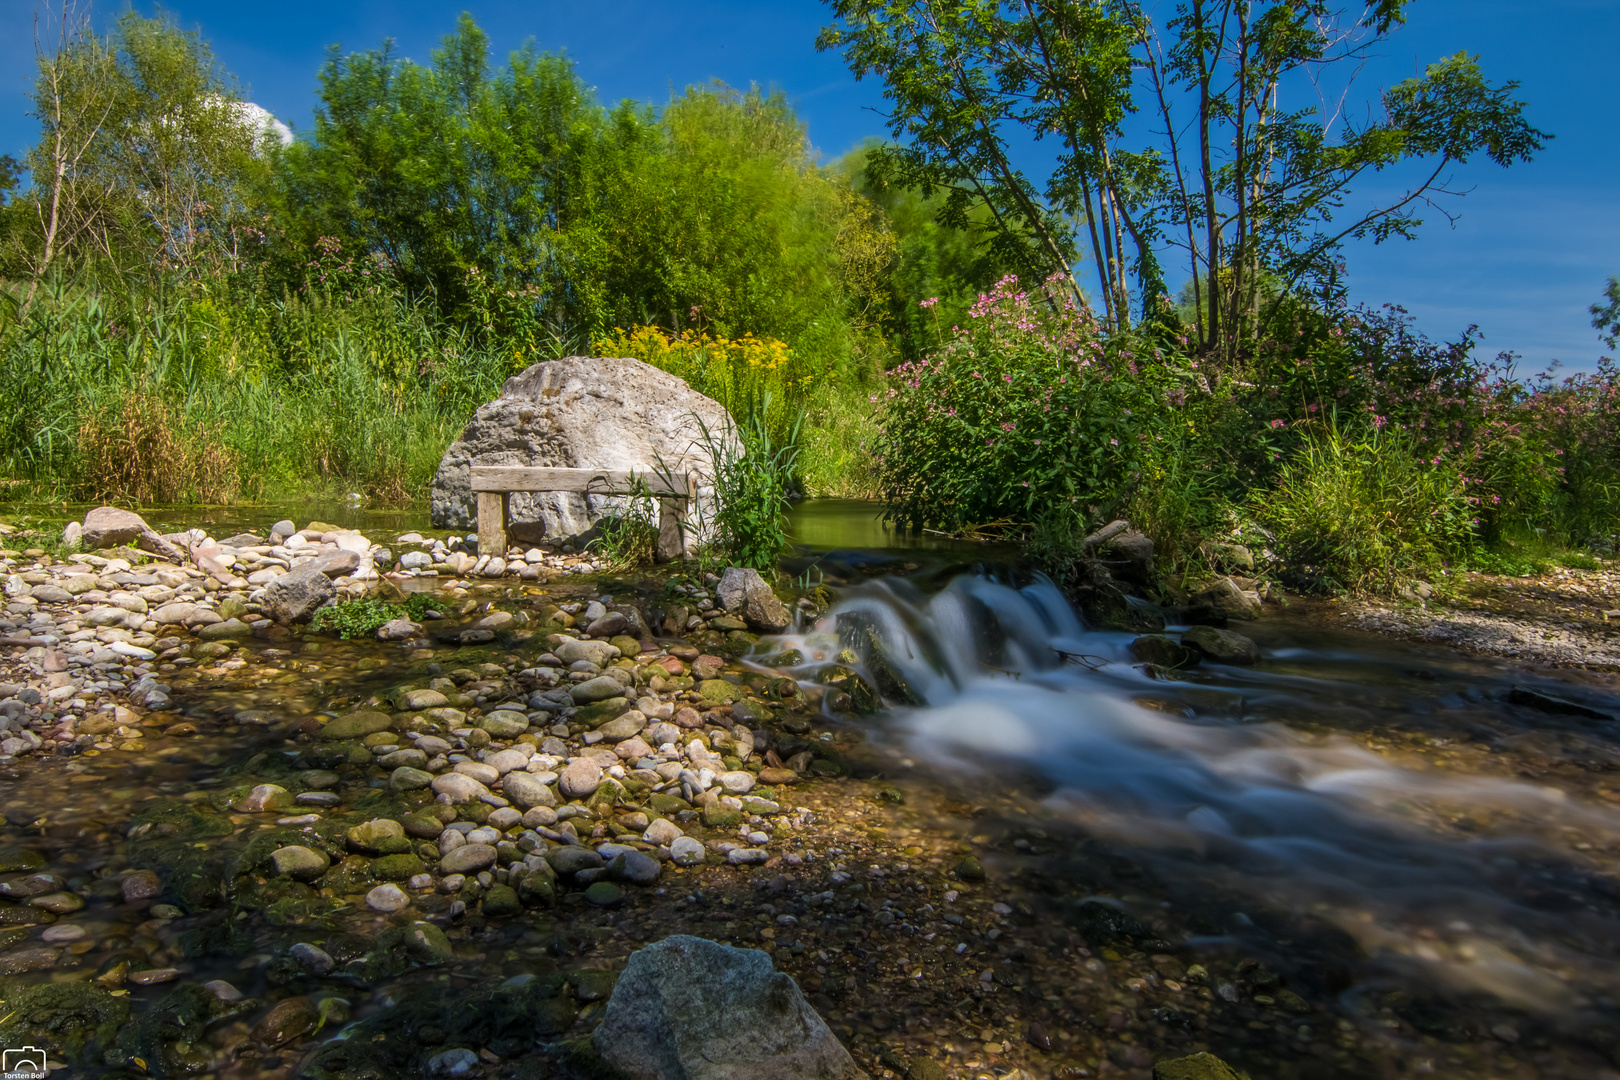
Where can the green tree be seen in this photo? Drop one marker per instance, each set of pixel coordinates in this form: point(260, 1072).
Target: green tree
point(1606, 315)
point(146, 152)
point(448, 167)
point(1252, 186)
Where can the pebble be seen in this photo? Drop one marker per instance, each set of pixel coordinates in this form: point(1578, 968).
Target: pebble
point(63, 932)
point(389, 898)
point(686, 851)
point(223, 990)
point(312, 958)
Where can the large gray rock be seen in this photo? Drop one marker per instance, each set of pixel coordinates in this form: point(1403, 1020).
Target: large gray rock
point(691, 1009)
point(108, 526)
point(296, 595)
point(743, 592)
point(580, 412)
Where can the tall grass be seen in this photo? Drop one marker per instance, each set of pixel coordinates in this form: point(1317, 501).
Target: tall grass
point(1363, 512)
point(753, 473)
point(215, 390)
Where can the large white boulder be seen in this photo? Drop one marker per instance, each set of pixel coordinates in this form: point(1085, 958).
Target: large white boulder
point(581, 412)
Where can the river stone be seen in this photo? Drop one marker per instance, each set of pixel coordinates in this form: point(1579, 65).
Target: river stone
point(1222, 646)
point(13, 859)
point(408, 778)
point(504, 723)
point(387, 899)
point(528, 791)
point(401, 866)
point(583, 412)
point(505, 761)
point(398, 630)
point(334, 563)
point(662, 832)
point(300, 863)
point(624, 726)
point(140, 885)
point(579, 778)
point(691, 1009)
point(1164, 651)
point(371, 836)
point(571, 859)
point(265, 798)
point(685, 851)
point(422, 699)
point(291, 1019)
point(634, 867)
point(598, 689)
point(572, 651)
point(459, 786)
point(230, 628)
point(1197, 1067)
point(468, 859)
point(719, 692)
point(313, 959)
point(410, 756)
point(737, 782)
point(296, 595)
point(743, 592)
point(108, 526)
point(1223, 600)
point(357, 725)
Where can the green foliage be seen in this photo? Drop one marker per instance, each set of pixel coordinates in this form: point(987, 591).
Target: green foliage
point(1249, 184)
point(364, 617)
point(1362, 512)
point(1606, 315)
point(752, 476)
point(1025, 410)
point(147, 156)
point(629, 538)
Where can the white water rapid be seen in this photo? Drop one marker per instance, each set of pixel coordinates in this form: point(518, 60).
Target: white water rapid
point(1228, 792)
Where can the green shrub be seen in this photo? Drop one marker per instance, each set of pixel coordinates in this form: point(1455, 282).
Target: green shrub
point(364, 617)
point(753, 474)
point(1024, 410)
point(1365, 513)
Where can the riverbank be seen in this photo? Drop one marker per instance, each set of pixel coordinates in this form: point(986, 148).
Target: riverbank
point(1563, 618)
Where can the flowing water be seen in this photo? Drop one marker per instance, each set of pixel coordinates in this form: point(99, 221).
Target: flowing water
point(1357, 858)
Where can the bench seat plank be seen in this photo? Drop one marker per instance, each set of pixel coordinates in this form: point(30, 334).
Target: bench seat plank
point(513, 478)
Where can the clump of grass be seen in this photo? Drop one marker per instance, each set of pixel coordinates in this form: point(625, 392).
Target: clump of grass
point(629, 538)
point(1365, 514)
point(753, 473)
point(148, 450)
point(364, 617)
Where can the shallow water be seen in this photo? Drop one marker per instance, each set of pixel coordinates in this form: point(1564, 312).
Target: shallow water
point(1429, 869)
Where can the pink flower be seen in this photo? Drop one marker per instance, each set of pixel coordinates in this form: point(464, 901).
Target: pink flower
point(1279, 423)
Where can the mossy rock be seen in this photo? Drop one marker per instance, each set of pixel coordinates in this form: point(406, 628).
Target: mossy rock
point(666, 804)
point(719, 816)
point(357, 725)
point(13, 859)
point(626, 644)
point(1196, 1067)
point(397, 867)
point(969, 869)
point(598, 713)
point(501, 902)
point(66, 1017)
point(719, 691)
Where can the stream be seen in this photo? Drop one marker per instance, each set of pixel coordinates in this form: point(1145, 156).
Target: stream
point(1358, 858)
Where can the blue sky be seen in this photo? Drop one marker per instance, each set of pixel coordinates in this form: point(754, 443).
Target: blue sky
point(1530, 253)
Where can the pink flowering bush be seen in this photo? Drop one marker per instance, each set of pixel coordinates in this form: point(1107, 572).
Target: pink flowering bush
point(1025, 410)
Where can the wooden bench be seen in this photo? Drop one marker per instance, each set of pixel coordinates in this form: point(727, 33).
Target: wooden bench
point(493, 483)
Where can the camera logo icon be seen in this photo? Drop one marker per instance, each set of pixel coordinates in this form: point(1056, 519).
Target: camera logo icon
point(24, 1063)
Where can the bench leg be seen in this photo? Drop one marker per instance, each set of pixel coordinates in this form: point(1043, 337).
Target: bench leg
point(492, 523)
point(671, 529)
